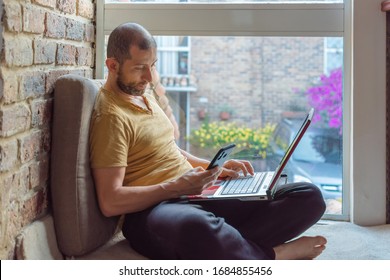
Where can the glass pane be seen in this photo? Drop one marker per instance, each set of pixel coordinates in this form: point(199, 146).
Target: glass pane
point(255, 91)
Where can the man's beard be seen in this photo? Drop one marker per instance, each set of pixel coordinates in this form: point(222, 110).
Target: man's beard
point(129, 89)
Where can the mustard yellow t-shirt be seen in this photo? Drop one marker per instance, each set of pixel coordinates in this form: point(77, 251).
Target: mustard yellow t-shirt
point(125, 135)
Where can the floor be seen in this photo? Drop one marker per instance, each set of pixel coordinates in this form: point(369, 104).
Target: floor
point(347, 241)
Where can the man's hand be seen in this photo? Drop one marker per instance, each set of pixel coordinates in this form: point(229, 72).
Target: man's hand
point(233, 168)
point(193, 181)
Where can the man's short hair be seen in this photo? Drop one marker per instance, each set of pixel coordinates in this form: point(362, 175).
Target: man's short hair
point(125, 36)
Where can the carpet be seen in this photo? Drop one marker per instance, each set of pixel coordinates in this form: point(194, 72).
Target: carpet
point(347, 241)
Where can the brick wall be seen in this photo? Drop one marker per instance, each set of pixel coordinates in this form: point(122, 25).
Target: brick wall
point(255, 76)
point(42, 40)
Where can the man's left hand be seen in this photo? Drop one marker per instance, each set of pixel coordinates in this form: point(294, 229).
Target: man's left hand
point(234, 168)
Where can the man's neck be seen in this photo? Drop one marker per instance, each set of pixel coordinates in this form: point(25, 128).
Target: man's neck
point(112, 87)
point(137, 100)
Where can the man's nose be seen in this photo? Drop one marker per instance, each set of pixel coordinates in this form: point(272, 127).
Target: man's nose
point(147, 75)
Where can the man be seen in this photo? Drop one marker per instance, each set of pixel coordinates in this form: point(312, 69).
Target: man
point(140, 171)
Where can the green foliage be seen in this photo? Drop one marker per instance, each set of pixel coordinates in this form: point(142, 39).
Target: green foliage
point(249, 141)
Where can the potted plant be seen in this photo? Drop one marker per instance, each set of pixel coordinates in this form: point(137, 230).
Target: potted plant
point(202, 113)
point(225, 112)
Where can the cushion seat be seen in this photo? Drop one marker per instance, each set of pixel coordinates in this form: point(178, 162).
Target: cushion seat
point(81, 229)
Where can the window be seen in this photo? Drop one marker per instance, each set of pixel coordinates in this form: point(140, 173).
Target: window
point(327, 21)
point(247, 86)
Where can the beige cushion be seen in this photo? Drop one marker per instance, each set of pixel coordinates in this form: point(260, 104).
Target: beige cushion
point(80, 226)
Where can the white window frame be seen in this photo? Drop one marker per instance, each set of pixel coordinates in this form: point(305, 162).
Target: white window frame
point(360, 22)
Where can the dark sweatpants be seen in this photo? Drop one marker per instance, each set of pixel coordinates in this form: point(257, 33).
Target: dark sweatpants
point(224, 229)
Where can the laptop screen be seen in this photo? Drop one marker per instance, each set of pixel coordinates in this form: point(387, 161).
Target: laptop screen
point(291, 148)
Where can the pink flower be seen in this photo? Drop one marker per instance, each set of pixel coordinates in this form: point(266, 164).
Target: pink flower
point(326, 98)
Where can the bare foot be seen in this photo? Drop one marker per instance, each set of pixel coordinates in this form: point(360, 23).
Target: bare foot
point(303, 248)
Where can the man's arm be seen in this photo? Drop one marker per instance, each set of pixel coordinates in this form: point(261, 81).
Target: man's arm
point(116, 199)
point(193, 160)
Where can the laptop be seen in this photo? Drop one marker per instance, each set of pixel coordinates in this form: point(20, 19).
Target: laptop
point(260, 186)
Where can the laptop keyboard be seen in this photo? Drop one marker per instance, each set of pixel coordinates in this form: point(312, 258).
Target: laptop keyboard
point(244, 185)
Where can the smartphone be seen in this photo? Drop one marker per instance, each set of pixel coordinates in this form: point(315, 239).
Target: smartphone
point(221, 156)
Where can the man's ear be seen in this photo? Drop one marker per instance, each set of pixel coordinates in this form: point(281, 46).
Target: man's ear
point(112, 65)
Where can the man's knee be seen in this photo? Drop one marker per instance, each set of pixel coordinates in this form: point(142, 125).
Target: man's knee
point(309, 196)
point(198, 222)
point(303, 189)
point(314, 200)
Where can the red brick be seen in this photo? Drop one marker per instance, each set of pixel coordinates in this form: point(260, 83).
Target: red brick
point(10, 180)
point(33, 19)
point(18, 51)
point(79, 72)
point(1, 82)
point(30, 146)
point(52, 77)
point(85, 56)
point(25, 110)
point(46, 140)
point(14, 119)
point(45, 3)
point(86, 9)
point(16, 184)
point(74, 30)
point(13, 17)
point(44, 51)
point(34, 207)
point(55, 26)
point(66, 54)
point(8, 155)
point(10, 226)
point(41, 111)
point(10, 88)
point(89, 32)
point(32, 84)
point(23, 184)
point(67, 6)
point(39, 173)
point(34, 146)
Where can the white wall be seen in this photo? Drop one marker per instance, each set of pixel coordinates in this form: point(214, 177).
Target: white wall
point(368, 195)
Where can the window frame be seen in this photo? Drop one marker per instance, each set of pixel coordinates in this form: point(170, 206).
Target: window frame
point(362, 25)
point(246, 19)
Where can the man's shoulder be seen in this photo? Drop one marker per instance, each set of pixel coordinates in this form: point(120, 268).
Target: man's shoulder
point(106, 108)
point(105, 102)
